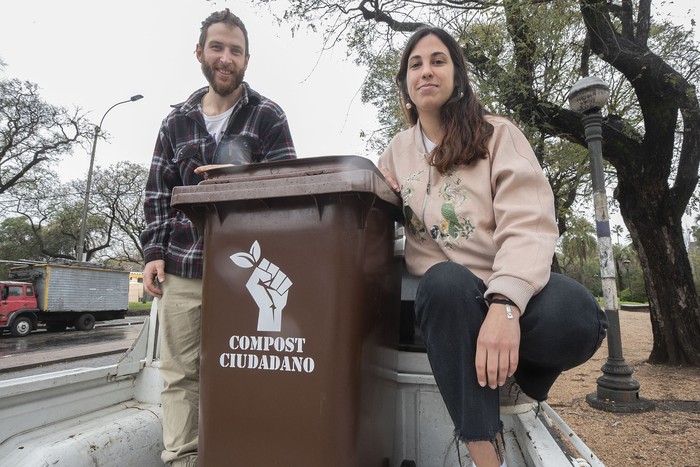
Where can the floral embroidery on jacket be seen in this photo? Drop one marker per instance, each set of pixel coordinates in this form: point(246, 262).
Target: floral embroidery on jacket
point(452, 227)
point(413, 223)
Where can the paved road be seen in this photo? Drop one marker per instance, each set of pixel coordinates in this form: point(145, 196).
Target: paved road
point(41, 350)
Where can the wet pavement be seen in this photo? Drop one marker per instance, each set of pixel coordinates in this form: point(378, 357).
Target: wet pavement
point(42, 348)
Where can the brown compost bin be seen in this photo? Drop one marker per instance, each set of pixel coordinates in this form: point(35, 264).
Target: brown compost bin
point(300, 313)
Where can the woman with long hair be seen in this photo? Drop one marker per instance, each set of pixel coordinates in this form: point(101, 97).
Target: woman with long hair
point(499, 327)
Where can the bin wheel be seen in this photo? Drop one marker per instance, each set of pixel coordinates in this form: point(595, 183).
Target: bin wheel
point(85, 322)
point(407, 463)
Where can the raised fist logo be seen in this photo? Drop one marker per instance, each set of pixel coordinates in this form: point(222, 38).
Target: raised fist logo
point(268, 286)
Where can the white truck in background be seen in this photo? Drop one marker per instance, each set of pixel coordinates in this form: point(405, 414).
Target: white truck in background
point(62, 295)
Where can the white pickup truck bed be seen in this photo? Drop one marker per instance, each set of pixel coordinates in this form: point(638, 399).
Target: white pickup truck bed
point(110, 416)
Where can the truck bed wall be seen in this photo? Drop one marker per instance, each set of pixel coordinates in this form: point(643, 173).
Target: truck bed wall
point(74, 288)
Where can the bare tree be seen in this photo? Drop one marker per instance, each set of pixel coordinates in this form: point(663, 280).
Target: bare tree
point(118, 196)
point(51, 212)
point(33, 133)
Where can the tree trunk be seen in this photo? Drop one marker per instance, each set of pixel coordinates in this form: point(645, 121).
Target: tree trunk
point(673, 301)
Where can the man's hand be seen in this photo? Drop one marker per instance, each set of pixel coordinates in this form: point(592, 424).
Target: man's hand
point(153, 276)
point(497, 346)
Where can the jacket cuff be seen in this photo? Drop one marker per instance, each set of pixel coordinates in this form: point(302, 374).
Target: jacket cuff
point(517, 290)
point(153, 254)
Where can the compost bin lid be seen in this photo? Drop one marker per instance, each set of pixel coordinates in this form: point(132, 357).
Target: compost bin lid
point(296, 177)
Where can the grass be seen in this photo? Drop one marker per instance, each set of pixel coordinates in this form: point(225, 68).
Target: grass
point(138, 306)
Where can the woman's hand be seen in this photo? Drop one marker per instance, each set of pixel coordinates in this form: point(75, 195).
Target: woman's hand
point(497, 346)
point(390, 179)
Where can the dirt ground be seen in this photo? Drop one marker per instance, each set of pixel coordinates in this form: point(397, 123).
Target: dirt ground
point(665, 436)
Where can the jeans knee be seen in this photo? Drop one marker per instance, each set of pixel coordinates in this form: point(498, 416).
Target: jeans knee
point(449, 288)
point(447, 278)
point(568, 318)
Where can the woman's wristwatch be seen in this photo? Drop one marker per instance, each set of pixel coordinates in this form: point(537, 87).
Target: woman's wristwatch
point(504, 301)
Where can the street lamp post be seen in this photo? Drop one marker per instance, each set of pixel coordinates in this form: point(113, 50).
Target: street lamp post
point(627, 262)
point(86, 201)
point(616, 390)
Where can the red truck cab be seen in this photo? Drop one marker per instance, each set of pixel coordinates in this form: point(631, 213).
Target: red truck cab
point(18, 307)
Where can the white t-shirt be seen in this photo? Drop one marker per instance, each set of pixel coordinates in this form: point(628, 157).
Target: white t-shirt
point(429, 145)
point(216, 124)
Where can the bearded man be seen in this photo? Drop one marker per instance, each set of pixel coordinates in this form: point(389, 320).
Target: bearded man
point(224, 122)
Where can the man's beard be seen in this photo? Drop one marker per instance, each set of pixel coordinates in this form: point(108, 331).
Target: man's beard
point(222, 90)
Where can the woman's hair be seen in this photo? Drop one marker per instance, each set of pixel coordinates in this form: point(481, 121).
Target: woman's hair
point(466, 130)
point(228, 18)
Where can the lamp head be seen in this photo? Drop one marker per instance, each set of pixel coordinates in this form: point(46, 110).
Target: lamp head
point(136, 97)
point(589, 94)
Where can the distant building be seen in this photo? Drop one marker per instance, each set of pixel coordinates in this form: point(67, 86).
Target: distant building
point(136, 287)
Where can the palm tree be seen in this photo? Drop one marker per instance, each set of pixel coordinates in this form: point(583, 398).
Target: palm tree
point(578, 242)
point(617, 230)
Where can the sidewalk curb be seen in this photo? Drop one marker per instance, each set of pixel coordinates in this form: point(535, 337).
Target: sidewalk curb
point(66, 359)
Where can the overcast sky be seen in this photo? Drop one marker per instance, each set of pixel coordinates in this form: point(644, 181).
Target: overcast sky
point(95, 53)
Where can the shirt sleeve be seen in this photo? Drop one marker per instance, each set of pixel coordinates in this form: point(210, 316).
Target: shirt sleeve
point(157, 210)
point(526, 231)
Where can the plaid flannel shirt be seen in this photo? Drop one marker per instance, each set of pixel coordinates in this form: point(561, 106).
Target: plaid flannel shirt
point(184, 144)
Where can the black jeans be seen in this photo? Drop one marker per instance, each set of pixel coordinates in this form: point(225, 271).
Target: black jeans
point(561, 328)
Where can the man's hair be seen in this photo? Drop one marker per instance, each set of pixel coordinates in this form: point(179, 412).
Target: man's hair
point(226, 17)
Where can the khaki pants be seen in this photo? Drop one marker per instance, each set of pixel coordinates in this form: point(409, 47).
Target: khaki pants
point(179, 316)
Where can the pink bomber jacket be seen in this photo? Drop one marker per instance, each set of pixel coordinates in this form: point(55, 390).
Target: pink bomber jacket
point(495, 217)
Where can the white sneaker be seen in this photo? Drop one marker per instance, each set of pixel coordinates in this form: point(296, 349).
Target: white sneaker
point(513, 400)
